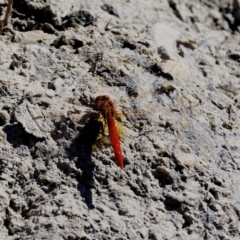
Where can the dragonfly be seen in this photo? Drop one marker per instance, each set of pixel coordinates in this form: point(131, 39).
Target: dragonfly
point(106, 108)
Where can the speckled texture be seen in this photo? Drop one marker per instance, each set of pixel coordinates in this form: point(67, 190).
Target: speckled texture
point(172, 68)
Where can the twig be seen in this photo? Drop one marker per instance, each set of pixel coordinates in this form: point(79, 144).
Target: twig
point(1, 26)
point(8, 15)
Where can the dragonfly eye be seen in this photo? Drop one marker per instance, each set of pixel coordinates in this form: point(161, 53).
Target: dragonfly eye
point(104, 105)
point(101, 98)
point(105, 98)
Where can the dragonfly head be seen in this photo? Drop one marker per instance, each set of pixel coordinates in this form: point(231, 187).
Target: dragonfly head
point(104, 105)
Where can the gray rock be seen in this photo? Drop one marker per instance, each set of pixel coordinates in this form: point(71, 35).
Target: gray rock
point(171, 69)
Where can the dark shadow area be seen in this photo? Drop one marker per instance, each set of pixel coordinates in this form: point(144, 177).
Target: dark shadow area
point(156, 70)
point(173, 203)
point(30, 16)
point(82, 147)
point(164, 177)
point(81, 17)
point(110, 9)
point(16, 135)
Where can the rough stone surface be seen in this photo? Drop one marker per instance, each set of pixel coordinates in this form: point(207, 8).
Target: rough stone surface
point(173, 70)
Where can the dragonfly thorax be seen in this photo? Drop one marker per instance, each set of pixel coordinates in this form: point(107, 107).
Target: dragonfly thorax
point(105, 106)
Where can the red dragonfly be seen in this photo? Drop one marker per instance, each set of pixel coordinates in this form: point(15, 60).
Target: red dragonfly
point(106, 108)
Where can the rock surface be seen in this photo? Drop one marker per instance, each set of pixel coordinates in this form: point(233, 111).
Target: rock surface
point(176, 65)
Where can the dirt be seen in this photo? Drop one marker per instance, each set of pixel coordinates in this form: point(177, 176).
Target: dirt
point(175, 65)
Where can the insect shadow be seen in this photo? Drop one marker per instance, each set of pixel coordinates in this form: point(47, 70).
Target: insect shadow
point(83, 145)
